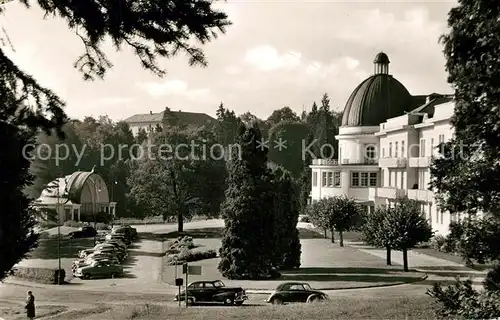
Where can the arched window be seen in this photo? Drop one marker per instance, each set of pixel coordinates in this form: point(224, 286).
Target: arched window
point(370, 153)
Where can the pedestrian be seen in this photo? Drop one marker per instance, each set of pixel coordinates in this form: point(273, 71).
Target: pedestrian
point(30, 305)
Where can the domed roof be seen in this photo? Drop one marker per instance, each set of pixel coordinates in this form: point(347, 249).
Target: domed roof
point(377, 98)
point(381, 58)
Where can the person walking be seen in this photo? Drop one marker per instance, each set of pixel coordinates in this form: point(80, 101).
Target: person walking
point(30, 305)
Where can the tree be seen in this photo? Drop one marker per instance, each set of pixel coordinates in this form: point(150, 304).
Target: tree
point(466, 179)
point(288, 155)
point(406, 226)
point(345, 215)
point(249, 118)
point(142, 26)
point(227, 126)
point(17, 218)
point(305, 179)
point(177, 183)
point(374, 233)
point(336, 213)
point(286, 212)
point(247, 250)
point(280, 115)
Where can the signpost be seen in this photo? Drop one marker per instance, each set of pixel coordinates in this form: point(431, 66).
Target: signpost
point(194, 270)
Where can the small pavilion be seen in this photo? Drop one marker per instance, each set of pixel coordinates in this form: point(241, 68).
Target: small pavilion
point(81, 193)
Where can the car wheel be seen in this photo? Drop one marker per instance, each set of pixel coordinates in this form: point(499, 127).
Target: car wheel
point(191, 301)
point(228, 302)
point(86, 276)
point(239, 303)
point(314, 298)
point(277, 301)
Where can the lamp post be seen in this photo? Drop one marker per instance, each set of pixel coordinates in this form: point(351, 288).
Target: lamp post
point(97, 190)
point(58, 235)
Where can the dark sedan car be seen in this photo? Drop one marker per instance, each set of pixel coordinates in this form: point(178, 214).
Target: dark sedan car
point(83, 232)
point(295, 292)
point(213, 291)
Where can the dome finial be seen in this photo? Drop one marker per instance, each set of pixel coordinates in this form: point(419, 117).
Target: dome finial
point(381, 63)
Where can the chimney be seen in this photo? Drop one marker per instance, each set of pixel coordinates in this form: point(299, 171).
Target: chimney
point(151, 112)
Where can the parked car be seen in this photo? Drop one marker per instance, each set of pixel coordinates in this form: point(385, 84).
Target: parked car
point(102, 247)
point(126, 230)
point(115, 242)
point(99, 269)
point(295, 292)
point(213, 291)
point(118, 236)
point(112, 252)
point(93, 257)
point(83, 232)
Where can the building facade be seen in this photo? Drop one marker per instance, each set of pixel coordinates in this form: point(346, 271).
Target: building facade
point(386, 141)
point(149, 122)
point(81, 193)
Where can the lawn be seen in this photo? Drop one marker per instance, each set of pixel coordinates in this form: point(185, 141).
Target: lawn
point(14, 312)
point(48, 248)
point(340, 308)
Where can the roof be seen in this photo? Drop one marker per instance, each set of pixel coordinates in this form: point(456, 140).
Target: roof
point(375, 100)
point(434, 100)
point(381, 58)
point(187, 117)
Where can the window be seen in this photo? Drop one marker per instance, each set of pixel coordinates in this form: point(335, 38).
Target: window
point(432, 146)
point(355, 179)
point(390, 149)
point(315, 179)
point(364, 179)
point(422, 147)
point(336, 179)
point(396, 149)
point(403, 149)
point(324, 179)
point(373, 179)
point(330, 179)
point(370, 152)
point(441, 138)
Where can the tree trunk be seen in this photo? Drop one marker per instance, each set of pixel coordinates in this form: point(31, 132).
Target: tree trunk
point(333, 235)
point(341, 235)
point(326, 236)
point(388, 256)
point(180, 222)
point(405, 260)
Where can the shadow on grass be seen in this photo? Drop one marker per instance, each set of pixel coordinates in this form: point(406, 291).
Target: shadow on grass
point(48, 248)
point(342, 270)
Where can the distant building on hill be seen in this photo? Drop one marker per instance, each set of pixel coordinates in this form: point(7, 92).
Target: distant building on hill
point(149, 121)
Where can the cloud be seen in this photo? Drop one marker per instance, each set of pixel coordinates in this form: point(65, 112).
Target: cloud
point(114, 100)
point(343, 65)
point(267, 58)
point(232, 69)
point(175, 88)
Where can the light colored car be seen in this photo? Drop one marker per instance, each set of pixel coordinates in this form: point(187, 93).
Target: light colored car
point(99, 269)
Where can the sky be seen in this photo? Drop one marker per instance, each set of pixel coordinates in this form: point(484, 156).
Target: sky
point(277, 53)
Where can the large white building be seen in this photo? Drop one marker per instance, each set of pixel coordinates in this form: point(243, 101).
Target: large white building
point(386, 141)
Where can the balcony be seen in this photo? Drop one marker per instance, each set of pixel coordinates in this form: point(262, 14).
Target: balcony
point(420, 195)
point(392, 162)
point(390, 193)
point(325, 162)
point(363, 162)
point(420, 162)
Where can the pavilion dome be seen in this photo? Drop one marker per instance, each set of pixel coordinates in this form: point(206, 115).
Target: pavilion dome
point(377, 98)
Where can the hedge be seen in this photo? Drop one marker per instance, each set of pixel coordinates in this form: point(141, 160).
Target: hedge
point(40, 275)
point(189, 256)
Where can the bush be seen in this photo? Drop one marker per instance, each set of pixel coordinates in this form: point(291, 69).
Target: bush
point(175, 246)
point(75, 224)
point(41, 275)
point(438, 242)
point(305, 219)
point(186, 255)
point(491, 282)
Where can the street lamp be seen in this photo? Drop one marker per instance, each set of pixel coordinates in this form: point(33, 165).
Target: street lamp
point(58, 199)
point(97, 191)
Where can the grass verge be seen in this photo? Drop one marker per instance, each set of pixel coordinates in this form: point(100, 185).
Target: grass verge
point(345, 308)
point(39, 275)
point(14, 312)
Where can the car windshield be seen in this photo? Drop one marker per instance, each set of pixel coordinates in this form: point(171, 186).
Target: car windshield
point(218, 284)
point(307, 287)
